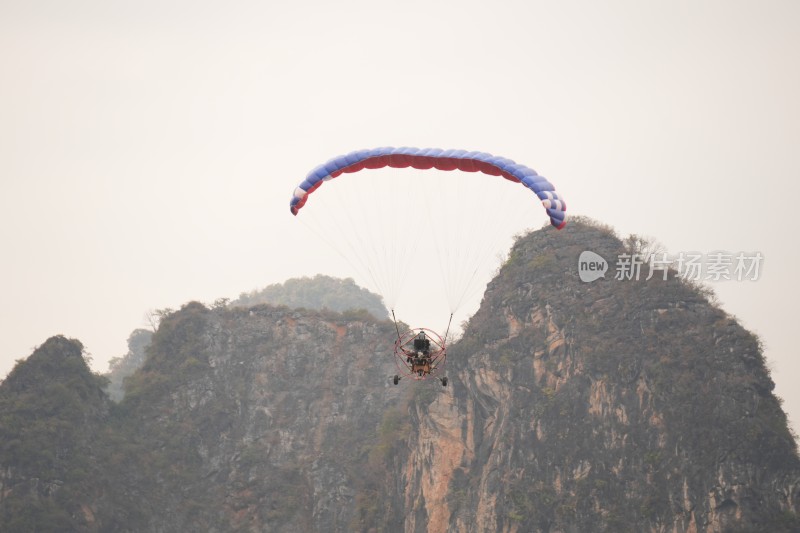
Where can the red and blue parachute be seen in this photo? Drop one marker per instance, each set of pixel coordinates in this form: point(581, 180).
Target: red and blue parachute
point(427, 158)
point(397, 230)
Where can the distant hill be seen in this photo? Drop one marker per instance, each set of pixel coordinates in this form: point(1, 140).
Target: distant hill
point(319, 292)
point(608, 406)
point(122, 367)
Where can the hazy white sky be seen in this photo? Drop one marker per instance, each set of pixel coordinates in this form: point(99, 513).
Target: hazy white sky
point(148, 149)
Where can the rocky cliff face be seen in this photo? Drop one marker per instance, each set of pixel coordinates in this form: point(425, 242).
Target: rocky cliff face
point(603, 406)
point(271, 422)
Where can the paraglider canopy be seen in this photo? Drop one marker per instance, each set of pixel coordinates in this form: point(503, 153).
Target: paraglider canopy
point(428, 158)
point(423, 220)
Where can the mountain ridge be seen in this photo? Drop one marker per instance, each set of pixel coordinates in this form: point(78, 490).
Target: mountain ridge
point(604, 406)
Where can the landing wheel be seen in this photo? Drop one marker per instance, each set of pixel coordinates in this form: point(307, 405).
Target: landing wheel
point(396, 379)
point(444, 381)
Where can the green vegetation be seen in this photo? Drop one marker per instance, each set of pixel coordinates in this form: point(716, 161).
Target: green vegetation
point(319, 292)
point(52, 409)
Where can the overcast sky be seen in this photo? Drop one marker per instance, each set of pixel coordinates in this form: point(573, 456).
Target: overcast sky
point(148, 149)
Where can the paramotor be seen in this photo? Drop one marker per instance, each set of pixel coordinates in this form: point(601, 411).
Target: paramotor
point(384, 259)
